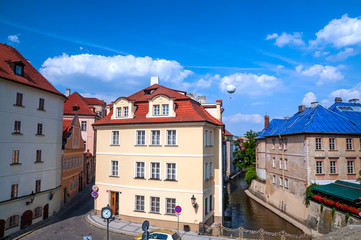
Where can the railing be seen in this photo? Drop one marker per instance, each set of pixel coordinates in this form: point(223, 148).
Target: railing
point(241, 233)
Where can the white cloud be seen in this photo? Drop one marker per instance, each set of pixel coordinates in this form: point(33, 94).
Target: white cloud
point(340, 33)
point(14, 38)
point(251, 84)
point(320, 54)
point(345, 94)
point(114, 70)
point(324, 73)
point(207, 81)
point(239, 117)
point(342, 55)
point(309, 98)
point(287, 39)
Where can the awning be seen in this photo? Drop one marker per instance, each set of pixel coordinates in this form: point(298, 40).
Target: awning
point(350, 192)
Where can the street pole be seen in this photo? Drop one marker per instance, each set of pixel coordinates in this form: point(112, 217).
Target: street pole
point(178, 224)
point(108, 229)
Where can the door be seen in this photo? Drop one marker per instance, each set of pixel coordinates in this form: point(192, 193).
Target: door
point(2, 227)
point(115, 202)
point(46, 211)
point(26, 219)
point(65, 195)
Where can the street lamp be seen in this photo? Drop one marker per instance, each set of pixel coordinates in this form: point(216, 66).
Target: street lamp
point(32, 196)
point(193, 199)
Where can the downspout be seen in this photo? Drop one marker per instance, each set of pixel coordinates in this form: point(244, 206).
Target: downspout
point(220, 175)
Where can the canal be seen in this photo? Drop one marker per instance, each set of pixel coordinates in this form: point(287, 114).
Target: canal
point(244, 212)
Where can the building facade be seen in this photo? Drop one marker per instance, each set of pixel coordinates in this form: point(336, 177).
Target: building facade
point(316, 145)
point(156, 149)
point(30, 136)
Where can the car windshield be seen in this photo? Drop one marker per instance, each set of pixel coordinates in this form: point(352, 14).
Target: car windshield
point(158, 236)
point(175, 236)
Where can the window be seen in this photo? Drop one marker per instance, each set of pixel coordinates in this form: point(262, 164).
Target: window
point(210, 170)
point(349, 144)
point(165, 109)
point(12, 221)
point(155, 137)
point(119, 112)
point(141, 137)
point(38, 156)
point(274, 162)
point(19, 69)
point(139, 203)
point(171, 171)
point(154, 204)
point(72, 163)
point(210, 202)
point(76, 141)
point(114, 168)
point(83, 125)
point(40, 129)
point(64, 164)
point(206, 137)
point(350, 167)
point(140, 170)
point(37, 186)
point(19, 99)
point(280, 141)
point(171, 137)
point(332, 144)
point(125, 111)
point(71, 185)
point(285, 142)
point(15, 159)
point(281, 181)
point(206, 205)
point(115, 137)
point(206, 171)
point(286, 183)
point(211, 138)
point(273, 144)
point(274, 179)
point(155, 174)
point(333, 169)
point(14, 191)
point(37, 212)
point(319, 166)
point(286, 164)
point(17, 127)
point(41, 103)
point(156, 110)
point(318, 143)
point(68, 163)
point(170, 205)
point(280, 163)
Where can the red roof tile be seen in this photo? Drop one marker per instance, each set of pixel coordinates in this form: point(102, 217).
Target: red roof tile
point(76, 100)
point(94, 101)
point(187, 110)
point(66, 127)
point(226, 133)
point(8, 56)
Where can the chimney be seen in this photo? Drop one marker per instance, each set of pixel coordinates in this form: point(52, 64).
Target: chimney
point(286, 118)
point(355, 100)
point(202, 99)
point(154, 80)
point(301, 108)
point(219, 109)
point(338, 99)
point(266, 121)
point(192, 95)
point(67, 92)
point(314, 104)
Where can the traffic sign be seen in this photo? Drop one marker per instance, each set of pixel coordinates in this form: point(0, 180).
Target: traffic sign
point(145, 225)
point(94, 194)
point(178, 209)
point(95, 188)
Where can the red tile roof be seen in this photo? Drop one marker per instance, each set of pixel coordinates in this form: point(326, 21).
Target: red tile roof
point(76, 100)
point(94, 101)
point(66, 127)
point(226, 133)
point(187, 110)
point(8, 56)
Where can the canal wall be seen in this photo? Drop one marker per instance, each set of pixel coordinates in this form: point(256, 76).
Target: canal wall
point(292, 208)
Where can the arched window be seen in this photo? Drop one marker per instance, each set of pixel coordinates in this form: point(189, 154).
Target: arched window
point(11, 222)
point(37, 212)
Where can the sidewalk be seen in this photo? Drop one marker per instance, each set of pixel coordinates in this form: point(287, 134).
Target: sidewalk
point(133, 229)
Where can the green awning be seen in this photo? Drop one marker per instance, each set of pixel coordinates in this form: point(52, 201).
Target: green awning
point(350, 192)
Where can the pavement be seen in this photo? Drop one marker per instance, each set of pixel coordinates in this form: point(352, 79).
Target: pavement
point(133, 229)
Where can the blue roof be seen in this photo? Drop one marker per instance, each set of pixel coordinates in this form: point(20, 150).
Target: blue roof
point(274, 124)
point(315, 120)
point(350, 110)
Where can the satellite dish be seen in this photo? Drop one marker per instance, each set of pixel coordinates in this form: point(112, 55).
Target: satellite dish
point(231, 88)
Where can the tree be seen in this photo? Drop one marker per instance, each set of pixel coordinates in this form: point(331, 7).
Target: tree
point(245, 156)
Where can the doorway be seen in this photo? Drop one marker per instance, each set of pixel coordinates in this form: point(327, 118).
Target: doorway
point(46, 211)
point(26, 219)
point(114, 203)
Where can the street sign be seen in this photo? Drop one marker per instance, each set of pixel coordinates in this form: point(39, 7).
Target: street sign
point(95, 188)
point(178, 209)
point(145, 225)
point(94, 194)
point(145, 235)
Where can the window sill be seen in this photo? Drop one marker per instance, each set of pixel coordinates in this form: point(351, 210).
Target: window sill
point(333, 174)
point(350, 150)
point(140, 178)
point(170, 145)
point(41, 110)
point(170, 214)
point(113, 176)
point(40, 135)
point(319, 150)
point(15, 164)
point(157, 179)
point(16, 134)
point(39, 162)
point(114, 144)
point(140, 211)
point(155, 145)
point(171, 180)
point(333, 150)
point(351, 173)
point(155, 213)
point(320, 174)
point(140, 145)
point(20, 106)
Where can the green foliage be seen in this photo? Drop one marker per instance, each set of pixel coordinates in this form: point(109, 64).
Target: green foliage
point(347, 217)
point(309, 194)
point(359, 177)
point(322, 207)
point(247, 157)
point(333, 211)
point(250, 174)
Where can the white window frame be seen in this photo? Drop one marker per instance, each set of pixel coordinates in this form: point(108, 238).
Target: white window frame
point(281, 143)
point(285, 144)
point(118, 112)
point(151, 140)
point(274, 162)
point(350, 166)
point(273, 144)
point(114, 168)
point(156, 110)
point(167, 164)
point(274, 179)
point(125, 111)
point(333, 169)
point(210, 138)
point(136, 170)
point(210, 170)
point(206, 137)
point(151, 171)
point(281, 181)
point(136, 137)
point(114, 141)
point(319, 167)
point(318, 143)
point(139, 199)
point(332, 143)
point(205, 171)
point(171, 143)
point(169, 206)
point(286, 164)
point(286, 183)
point(165, 109)
point(349, 144)
point(154, 204)
point(84, 123)
point(280, 163)
point(15, 158)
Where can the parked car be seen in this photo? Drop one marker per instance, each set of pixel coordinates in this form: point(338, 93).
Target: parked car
point(161, 234)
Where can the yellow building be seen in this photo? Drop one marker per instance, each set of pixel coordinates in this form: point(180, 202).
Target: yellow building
point(156, 149)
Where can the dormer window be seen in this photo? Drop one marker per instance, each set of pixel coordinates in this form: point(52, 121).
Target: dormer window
point(148, 91)
point(125, 111)
point(119, 112)
point(165, 109)
point(75, 108)
point(156, 110)
point(19, 68)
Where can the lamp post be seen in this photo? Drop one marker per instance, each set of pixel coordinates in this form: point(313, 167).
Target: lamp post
point(32, 196)
point(194, 203)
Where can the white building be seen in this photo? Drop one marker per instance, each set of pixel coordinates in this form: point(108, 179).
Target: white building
point(31, 113)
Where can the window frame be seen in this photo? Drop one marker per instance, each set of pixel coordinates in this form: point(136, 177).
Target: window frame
point(39, 130)
point(349, 144)
point(38, 158)
point(125, 111)
point(19, 99)
point(333, 166)
point(156, 110)
point(171, 171)
point(114, 168)
point(286, 183)
point(38, 186)
point(165, 109)
point(169, 209)
point(41, 106)
point(143, 138)
point(115, 137)
point(11, 222)
point(17, 127)
point(318, 143)
point(273, 144)
point(156, 174)
point(332, 144)
point(118, 112)
point(352, 165)
point(141, 168)
point(281, 164)
point(139, 199)
point(83, 125)
point(172, 137)
point(155, 140)
point(14, 191)
point(319, 167)
point(274, 180)
point(285, 164)
point(15, 156)
point(154, 204)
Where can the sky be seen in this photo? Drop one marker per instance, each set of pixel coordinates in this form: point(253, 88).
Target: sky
point(278, 54)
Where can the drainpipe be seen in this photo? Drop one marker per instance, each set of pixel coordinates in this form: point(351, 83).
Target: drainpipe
point(220, 175)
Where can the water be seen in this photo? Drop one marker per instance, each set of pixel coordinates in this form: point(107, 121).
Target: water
point(249, 214)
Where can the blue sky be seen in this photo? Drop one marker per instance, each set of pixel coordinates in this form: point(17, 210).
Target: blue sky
point(278, 54)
